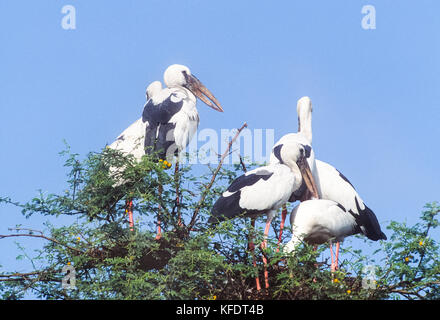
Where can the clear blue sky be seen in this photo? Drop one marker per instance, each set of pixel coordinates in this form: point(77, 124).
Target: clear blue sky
point(375, 92)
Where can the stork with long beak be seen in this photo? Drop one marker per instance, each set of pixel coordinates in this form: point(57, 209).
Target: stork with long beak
point(265, 189)
point(304, 137)
point(171, 117)
point(332, 185)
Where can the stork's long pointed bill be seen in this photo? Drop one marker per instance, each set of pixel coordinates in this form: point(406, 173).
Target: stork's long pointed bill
point(203, 93)
point(308, 177)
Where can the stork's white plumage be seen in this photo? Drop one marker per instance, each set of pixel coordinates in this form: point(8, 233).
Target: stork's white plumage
point(304, 134)
point(171, 117)
point(132, 139)
point(319, 221)
point(264, 190)
point(332, 184)
point(303, 137)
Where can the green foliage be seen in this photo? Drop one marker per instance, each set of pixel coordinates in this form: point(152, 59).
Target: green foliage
point(192, 260)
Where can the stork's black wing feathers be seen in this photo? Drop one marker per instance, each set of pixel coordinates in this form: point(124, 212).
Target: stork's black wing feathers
point(248, 180)
point(368, 223)
point(150, 137)
point(165, 143)
point(162, 112)
point(229, 207)
point(345, 178)
point(159, 134)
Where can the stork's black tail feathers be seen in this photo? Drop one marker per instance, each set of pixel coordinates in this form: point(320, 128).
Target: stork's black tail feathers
point(224, 208)
point(369, 224)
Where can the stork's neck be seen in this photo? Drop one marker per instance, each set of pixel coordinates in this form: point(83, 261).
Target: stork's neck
point(305, 124)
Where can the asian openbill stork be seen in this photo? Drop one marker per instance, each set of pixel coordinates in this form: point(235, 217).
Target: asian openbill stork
point(304, 137)
point(319, 221)
point(331, 184)
point(171, 117)
point(264, 190)
point(131, 141)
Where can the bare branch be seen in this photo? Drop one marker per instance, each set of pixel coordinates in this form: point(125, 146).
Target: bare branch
point(208, 187)
point(2, 236)
point(243, 166)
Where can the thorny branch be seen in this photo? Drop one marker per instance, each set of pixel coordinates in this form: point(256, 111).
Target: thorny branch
point(41, 235)
point(208, 187)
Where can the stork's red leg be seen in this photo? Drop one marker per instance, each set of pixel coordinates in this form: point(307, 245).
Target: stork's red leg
point(176, 177)
point(283, 220)
point(129, 210)
point(337, 254)
point(331, 254)
point(263, 246)
point(334, 265)
point(252, 250)
point(159, 230)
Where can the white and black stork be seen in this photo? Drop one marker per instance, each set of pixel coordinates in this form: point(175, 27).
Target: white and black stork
point(331, 184)
point(319, 221)
point(171, 117)
point(132, 139)
point(304, 137)
point(264, 190)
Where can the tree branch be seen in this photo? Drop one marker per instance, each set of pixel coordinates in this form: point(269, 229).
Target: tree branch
point(217, 170)
point(2, 236)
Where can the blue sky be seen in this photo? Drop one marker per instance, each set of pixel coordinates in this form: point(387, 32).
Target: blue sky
point(375, 92)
